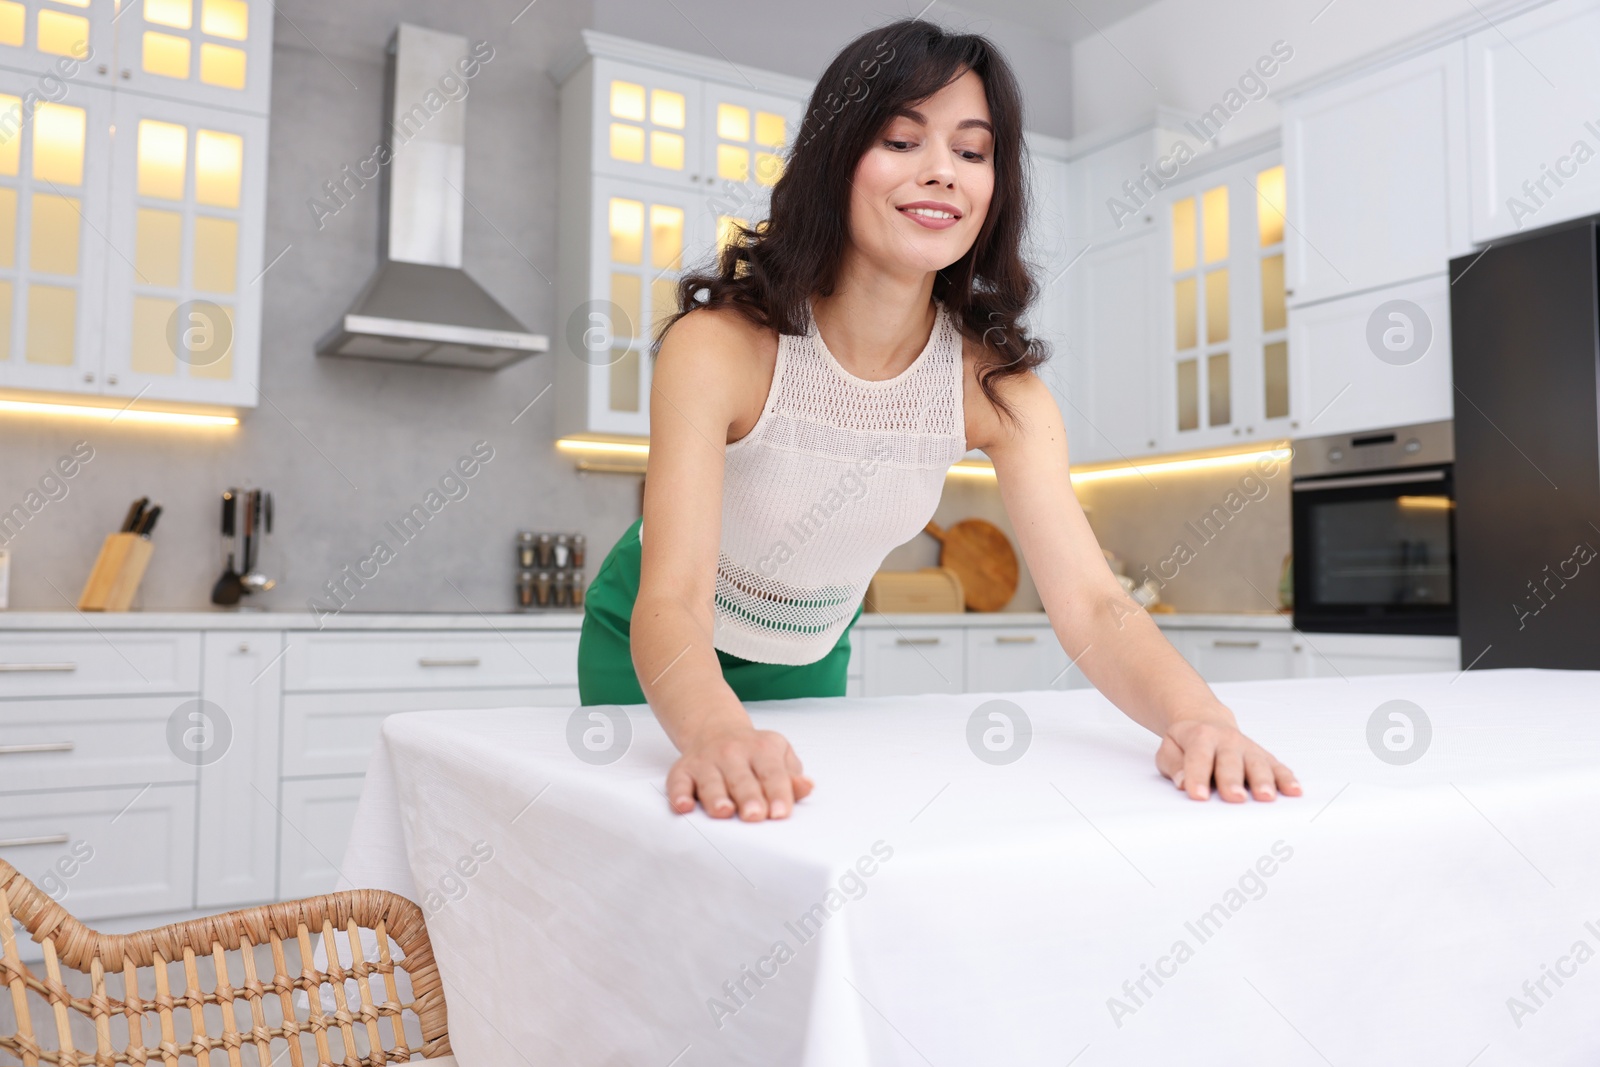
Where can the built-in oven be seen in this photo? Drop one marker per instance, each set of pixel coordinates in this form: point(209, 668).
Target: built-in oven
point(1374, 531)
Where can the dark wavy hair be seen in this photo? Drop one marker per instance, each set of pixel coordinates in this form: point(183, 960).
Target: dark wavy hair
point(769, 271)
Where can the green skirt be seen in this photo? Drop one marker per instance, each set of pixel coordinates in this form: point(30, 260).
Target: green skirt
point(605, 662)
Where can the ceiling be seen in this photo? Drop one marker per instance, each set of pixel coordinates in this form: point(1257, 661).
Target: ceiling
point(1063, 21)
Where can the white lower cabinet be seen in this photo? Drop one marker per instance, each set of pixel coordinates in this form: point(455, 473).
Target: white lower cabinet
point(333, 734)
point(317, 816)
point(234, 730)
point(1349, 655)
point(105, 852)
point(913, 660)
point(1238, 655)
point(1016, 658)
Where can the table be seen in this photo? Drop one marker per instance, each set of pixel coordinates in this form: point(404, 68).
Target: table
point(1434, 897)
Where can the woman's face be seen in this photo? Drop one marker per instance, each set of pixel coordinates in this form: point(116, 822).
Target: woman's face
point(940, 154)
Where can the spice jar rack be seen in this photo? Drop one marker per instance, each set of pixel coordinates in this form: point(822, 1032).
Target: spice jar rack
point(550, 574)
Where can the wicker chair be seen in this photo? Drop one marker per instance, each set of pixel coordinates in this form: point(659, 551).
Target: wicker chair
point(249, 1014)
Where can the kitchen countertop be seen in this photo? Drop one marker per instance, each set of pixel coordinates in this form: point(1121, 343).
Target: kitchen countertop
point(287, 620)
point(16, 621)
point(1222, 620)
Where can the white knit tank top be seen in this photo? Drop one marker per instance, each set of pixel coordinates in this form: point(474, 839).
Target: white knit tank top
point(837, 471)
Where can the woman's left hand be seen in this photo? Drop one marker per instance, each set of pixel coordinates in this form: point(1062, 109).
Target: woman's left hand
point(1196, 749)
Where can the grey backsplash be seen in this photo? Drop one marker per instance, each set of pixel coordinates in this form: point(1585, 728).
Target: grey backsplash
point(1143, 520)
point(1213, 538)
point(348, 446)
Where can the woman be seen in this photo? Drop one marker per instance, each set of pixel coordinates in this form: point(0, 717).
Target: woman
point(783, 468)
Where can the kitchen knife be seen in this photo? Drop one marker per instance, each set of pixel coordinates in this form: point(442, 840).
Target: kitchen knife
point(135, 511)
point(249, 528)
point(148, 523)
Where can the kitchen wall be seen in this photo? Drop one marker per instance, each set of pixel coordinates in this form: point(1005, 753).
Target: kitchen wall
point(1211, 539)
point(348, 445)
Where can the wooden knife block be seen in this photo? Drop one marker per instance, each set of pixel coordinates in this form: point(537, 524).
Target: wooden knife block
point(117, 573)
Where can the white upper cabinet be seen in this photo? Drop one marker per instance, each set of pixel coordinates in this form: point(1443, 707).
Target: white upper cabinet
point(1104, 378)
point(132, 206)
point(54, 186)
point(1110, 187)
point(213, 52)
point(1373, 360)
point(1225, 375)
point(1376, 164)
point(1535, 119)
point(648, 124)
point(661, 162)
point(53, 36)
point(183, 303)
point(1046, 251)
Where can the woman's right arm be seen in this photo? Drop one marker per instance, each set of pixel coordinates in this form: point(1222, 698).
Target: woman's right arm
point(703, 370)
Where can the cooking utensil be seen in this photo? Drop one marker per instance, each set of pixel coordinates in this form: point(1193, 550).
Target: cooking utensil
point(135, 512)
point(269, 512)
point(246, 561)
point(228, 590)
point(257, 583)
point(981, 554)
point(253, 581)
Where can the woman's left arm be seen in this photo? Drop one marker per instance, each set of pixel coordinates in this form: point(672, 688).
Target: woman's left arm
point(1109, 636)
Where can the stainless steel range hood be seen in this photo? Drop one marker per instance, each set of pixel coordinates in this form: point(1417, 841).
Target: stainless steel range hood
point(420, 306)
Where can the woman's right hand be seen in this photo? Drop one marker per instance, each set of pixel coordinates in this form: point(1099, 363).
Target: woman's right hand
point(737, 768)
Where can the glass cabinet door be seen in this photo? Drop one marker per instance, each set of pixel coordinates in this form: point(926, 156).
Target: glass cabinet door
point(216, 52)
point(647, 125)
point(183, 295)
point(1227, 342)
point(644, 235)
point(71, 39)
point(748, 136)
point(54, 178)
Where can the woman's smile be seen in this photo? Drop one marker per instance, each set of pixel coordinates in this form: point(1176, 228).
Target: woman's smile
point(933, 215)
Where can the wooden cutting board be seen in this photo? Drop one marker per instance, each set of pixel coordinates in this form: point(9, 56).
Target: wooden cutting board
point(981, 554)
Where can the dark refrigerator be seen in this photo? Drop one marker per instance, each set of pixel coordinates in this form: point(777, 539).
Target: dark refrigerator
point(1525, 329)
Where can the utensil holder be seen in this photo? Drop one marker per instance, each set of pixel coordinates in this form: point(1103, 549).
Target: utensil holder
point(117, 573)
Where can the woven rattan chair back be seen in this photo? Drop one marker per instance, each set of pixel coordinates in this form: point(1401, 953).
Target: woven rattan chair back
point(147, 1001)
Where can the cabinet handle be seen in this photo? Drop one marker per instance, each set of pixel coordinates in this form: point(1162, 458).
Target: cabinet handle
point(916, 640)
point(1225, 643)
point(1016, 639)
point(468, 661)
point(34, 668)
point(46, 746)
point(23, 842)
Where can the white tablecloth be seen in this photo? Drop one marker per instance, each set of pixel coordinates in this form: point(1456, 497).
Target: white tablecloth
point(1068, 907)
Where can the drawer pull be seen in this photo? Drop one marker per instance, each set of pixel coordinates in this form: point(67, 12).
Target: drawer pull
point(1016, 639)
point(468, 661)
point(23, 842)
point(916, 640)
point(1225, 643)
point(32, 668)
point(47, 746)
